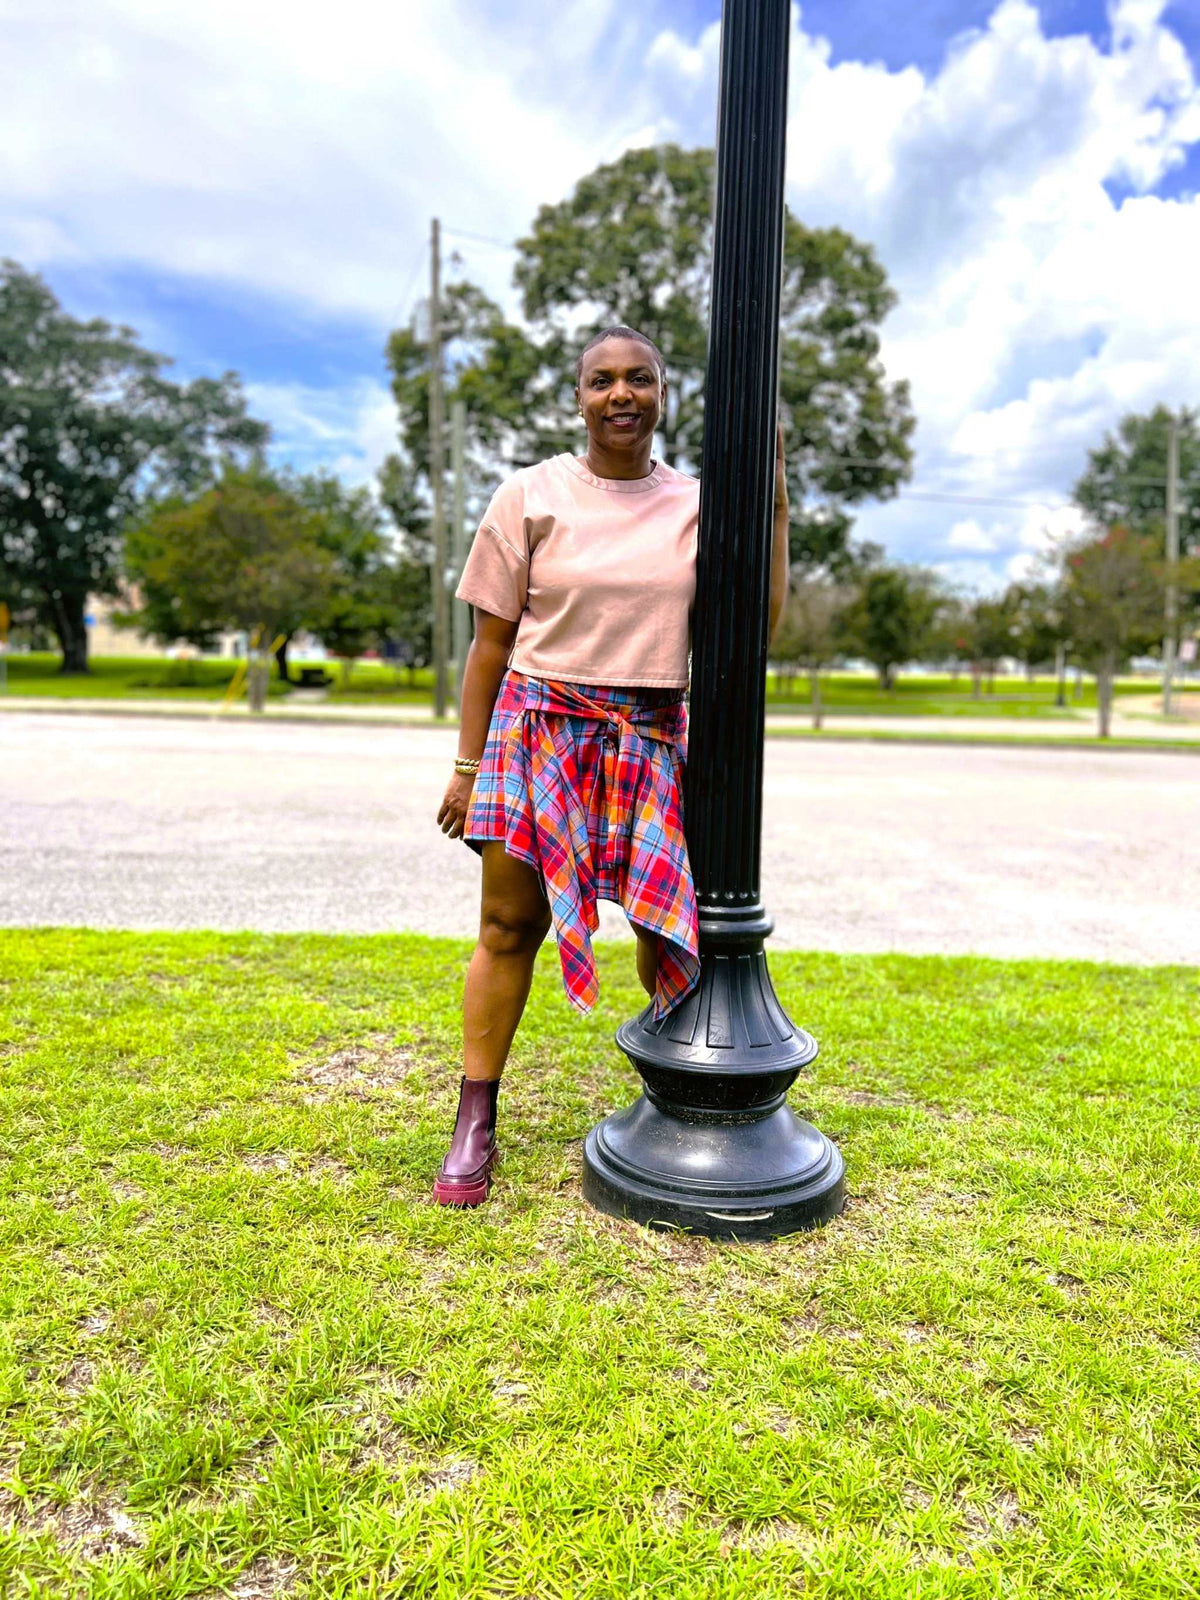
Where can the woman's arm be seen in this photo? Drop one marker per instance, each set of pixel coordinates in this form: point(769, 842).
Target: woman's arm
point(486, 661)
point(779, 542)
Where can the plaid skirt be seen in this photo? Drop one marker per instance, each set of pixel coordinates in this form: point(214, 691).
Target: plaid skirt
point(583, 783)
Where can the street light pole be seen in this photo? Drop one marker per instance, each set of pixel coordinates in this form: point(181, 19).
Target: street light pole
point(712, 1145)
point(461, 629)
point(437, 473)
point(1171, 609)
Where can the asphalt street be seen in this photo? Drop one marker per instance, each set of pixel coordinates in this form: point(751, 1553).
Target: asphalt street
point(139, 823)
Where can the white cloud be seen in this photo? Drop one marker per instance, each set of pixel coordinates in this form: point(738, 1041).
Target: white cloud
point(276, 147)
point(1034, 308)
point(348, 430)
point(287, 147)
point(968, 535)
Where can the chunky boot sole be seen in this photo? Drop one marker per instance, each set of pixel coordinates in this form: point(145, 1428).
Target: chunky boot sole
point(473, 1192)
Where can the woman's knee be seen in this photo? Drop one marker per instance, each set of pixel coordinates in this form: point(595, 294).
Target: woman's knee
point(512, 930)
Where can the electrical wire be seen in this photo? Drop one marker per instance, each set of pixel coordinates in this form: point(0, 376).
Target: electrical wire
point(478, 238)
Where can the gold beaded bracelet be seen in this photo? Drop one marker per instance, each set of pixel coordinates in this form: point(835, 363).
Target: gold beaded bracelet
point(466, 765)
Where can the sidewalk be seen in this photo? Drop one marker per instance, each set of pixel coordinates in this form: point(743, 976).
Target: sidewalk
point(1078, 727)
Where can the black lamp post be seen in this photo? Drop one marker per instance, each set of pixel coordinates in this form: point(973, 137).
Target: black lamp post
point(711, 1145)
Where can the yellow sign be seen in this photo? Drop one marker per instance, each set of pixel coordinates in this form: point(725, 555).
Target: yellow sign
point(5, 619)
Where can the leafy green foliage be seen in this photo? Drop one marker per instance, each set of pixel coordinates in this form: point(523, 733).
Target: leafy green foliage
point(891, 618)
point(244, 555)
point(89, 431)
point(1038, 625)
point(1125, 480)
point(633, 244)
point(348, 527)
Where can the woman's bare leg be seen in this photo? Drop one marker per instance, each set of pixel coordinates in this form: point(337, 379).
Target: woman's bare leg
point(647, 960)
point(514, 919)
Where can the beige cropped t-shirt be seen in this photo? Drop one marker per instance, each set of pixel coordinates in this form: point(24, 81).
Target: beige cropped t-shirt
point(600, 573)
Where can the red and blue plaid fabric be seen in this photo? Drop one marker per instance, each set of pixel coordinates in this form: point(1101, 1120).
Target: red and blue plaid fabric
point(584, 784)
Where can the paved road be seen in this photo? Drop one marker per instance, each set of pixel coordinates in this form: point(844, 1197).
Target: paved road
point(140, 823)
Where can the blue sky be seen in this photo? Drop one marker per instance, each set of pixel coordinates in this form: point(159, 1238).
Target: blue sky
point(250, 185)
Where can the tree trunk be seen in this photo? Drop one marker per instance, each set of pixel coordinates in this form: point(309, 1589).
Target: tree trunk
point(347, 669)
point(991, 678)
point(72, 632)
point(281, 660)
point(976, 680)
point(1105, 673)
point(257, 671)
point(1060, 667)
point(955, 669)
point(1079, 683)
point(818, 709)
point(887, 677)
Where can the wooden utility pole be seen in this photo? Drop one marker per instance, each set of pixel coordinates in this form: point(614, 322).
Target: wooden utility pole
point(1171, 608)
point(458, 537)
point(437, 473)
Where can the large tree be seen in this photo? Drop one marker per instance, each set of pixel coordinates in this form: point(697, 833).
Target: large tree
point(633, 244)
point(89, 429)
point(891, 618)
point(1112, 592)
point(348, 526)
point(1125, 482)
point(246, 554)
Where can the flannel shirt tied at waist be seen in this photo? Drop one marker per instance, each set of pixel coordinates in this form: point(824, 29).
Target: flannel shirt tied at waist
point(615, 832)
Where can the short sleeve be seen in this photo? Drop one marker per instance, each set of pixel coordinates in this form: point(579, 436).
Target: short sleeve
point(495, 576)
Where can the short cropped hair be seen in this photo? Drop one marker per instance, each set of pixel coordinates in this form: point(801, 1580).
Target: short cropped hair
point(621, 332)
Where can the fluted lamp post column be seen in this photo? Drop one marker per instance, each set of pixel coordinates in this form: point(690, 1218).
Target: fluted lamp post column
point(711, 1145)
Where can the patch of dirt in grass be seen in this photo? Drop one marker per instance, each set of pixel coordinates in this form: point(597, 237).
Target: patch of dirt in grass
point(997, 1519)
point(450, 1475)
point(1025, 1438)
point(916, 1498)
point(263, 1579)
point(381, 1383)
point(695, 1379)
point(669, 1508)
point(125, 1191)
point(776, 1531)
point(916, 1332)
point(358, 1071)
point(79, 1377)
point(266, 1161)
point(510, 1390)
point(805, 1324)
point(383, 1445)
point(1070, 1285)
point(863, 1097)
point(94, 1324)
point(87, 1529)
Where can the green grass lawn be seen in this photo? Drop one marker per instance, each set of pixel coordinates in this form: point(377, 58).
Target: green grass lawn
point(373, 682)
point(127, 678)
point(243, 1354)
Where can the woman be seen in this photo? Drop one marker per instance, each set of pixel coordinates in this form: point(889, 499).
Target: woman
point(572, 740)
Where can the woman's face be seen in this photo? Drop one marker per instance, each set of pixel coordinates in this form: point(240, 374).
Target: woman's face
point(620, 394)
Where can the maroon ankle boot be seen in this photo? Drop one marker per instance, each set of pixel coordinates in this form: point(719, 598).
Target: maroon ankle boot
point(466, 1174)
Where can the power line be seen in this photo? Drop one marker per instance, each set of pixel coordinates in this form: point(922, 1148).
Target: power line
point(480, 238)
point(418, 268)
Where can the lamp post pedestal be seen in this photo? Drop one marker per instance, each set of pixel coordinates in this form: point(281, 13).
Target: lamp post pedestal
point(711, 1146)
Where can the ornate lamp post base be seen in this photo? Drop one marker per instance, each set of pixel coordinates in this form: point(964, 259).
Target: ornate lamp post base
point(711, 1146)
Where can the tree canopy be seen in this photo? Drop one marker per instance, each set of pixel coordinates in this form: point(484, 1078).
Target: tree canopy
point(891, 617)
point(1125, 482)
point(633, 244)
point(246, 554)
point(90, 429)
